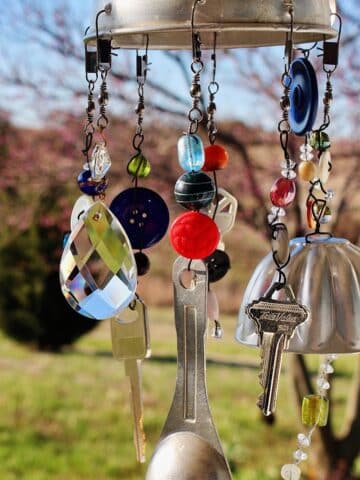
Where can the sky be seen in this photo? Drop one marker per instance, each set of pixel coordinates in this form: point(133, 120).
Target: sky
point(49, 70)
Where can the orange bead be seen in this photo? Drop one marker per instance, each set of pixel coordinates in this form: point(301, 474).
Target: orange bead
point(216, 158)
point(307, 170)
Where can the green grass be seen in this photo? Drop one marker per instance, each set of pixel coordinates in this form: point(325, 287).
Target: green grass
point(66, 417)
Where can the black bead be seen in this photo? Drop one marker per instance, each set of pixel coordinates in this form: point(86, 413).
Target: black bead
point(218, 265)
point(194, 190)
point(142, 263)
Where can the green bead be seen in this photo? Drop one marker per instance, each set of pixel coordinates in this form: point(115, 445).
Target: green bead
point(139, 166)
point(315, 410)
point(320, 140)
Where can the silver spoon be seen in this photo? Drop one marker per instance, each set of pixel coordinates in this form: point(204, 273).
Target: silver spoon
point(189, 447)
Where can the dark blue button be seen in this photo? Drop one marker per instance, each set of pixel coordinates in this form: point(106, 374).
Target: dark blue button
point(143, 214)
point(304, 96)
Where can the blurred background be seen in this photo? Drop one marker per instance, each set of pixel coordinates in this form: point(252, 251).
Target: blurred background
point(64, 409)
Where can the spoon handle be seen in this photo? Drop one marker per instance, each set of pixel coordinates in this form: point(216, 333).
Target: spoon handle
point(190, 408)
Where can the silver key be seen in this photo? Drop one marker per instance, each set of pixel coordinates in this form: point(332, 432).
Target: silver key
point(276, 322)
point(131, 343)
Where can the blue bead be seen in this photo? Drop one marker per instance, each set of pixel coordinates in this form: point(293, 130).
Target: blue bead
point(89, 186)
point(191, 153)
point(143, 214)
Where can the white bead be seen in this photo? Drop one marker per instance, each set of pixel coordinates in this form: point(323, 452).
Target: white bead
point(271, 218)
point(288, 164)
point(330, 194)
point(306, 156)
point(324, 166)
point(323, 383)
point(280, 212)
point(287, 173)
point(306, 148)
point(80, 207)
point(304, 440)
point(300, 456)
point(327, 368)
point(290, 472)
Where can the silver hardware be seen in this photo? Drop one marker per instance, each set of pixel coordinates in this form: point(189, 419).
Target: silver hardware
point(189, 446)
point(276, 323)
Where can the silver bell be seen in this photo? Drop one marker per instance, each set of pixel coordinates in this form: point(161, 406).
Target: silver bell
point(325, 276)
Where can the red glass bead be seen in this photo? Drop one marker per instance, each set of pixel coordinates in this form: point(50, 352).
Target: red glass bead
point(283, 192)
point(216, 158)
point(194, 235)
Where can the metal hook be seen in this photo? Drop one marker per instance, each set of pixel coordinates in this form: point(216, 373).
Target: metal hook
point(103, 45)
point(213, 58)
point(289, 43)
point(196, 42)
point(90, 62)
point(306, 51)
point(142, 64)
point(331, 49)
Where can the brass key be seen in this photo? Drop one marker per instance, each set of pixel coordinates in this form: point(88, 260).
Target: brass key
point(131, 343)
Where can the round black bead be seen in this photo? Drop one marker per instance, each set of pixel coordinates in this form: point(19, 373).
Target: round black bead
point(142, 263)
point(218, 265)
point(194, 190)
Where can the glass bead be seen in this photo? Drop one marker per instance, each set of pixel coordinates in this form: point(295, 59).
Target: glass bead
point(325, 166)
point(322, 383)
point(291, 174)
point(290, 472)
point(100, 162)
point(216, 158)
point(194, 190)
point(306, 148)
point(307, 170)
point(288, 164)
point(194, 235)
point(139, 166)
point(89, 186)
point(300, 456)
point(306, 156)
point(330, 194)
point(218, 264)
point(212, 306)
point(191, 153)
point(320, 140)
point(143, 214)
point(315, 410)
point(97, 269)
point(80, 207)
point(331, 357)
point(280, 212)
point(283, 192)
point(280, 243)
point(142, 263)
point(217, 331)
point(326, 217)
point(327, 368)
point(304, 440)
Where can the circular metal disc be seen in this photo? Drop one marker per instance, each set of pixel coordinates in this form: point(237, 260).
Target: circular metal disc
point(237, 23)
point(304, 96)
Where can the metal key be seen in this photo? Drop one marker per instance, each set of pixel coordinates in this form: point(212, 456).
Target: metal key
point(131, 343)
point(276, 322)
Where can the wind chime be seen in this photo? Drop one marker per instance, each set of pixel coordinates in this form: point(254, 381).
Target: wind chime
point(303, 297)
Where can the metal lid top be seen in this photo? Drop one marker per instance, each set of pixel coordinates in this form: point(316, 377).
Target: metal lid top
point(239, 23)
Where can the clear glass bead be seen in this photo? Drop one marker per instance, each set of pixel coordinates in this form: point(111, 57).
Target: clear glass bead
point(330, 194)
point(280, 212)
point(290, 472)
point(100, 162)
point(287, 173)
point(323, 383)
point(304, 440)
point(327, 368)
point(300, 456)
point(332, 357)
point(217, 331)
point(288, 164)
point(306, 148)
point(306, 156)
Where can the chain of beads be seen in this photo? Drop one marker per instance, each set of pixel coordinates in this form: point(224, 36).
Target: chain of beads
point(315, 409)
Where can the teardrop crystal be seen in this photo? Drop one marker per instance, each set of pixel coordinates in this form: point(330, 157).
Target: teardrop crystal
point(81, 206)
point(98, 270)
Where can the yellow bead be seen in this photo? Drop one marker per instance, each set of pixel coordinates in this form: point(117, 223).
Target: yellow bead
point(315, 410)
point(307, 170)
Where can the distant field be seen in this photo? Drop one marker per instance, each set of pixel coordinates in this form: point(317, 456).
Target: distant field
point(66, 417)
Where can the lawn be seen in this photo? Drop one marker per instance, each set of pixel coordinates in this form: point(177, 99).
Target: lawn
point(66, 416)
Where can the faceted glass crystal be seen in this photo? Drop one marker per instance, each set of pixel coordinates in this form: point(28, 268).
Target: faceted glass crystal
point(98, 271)
point(80, 207)
point(290, 472)
point(100, 162)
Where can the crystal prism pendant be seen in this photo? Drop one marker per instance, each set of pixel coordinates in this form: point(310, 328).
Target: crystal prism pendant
point(98, 270)
point(100, 162)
